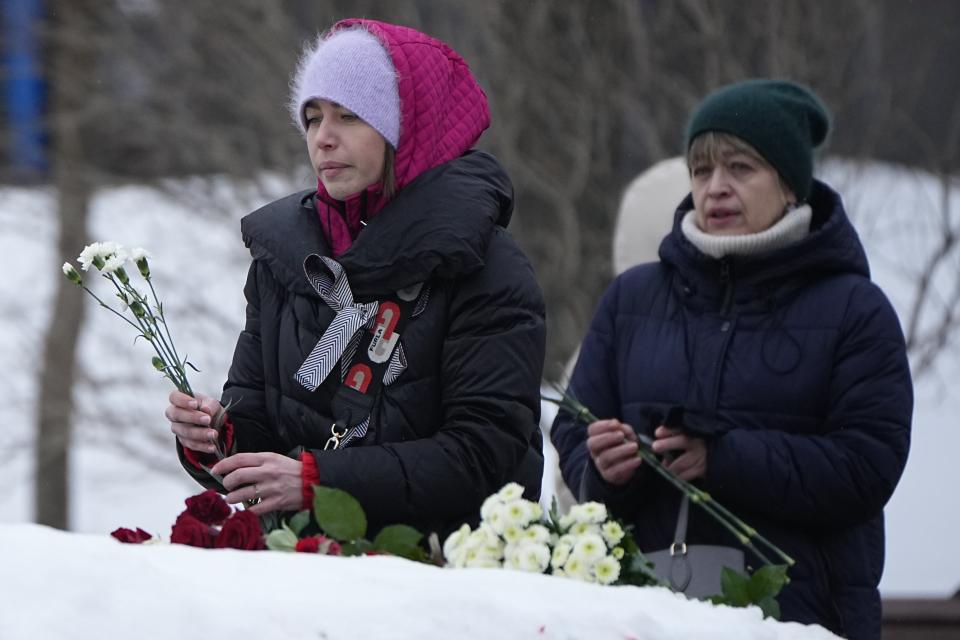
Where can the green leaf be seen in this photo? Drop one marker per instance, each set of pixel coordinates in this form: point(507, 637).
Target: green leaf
point(760, 589)
point(734, 588)
point(299, 521)
point(554, 513)
point(770, 608)
point(190, 364)
point(281, 540)
point(338, 514)
point(767, 581)
point(765, 584)
point(356, 548)
point(400, 540)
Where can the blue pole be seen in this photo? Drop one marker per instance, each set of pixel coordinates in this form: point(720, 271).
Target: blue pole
point(24, 91)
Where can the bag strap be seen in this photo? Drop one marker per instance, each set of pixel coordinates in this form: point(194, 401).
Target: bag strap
point(379, 359)
point(679, 546)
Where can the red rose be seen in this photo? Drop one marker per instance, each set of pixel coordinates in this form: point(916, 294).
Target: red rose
point(318, 544)
point(309, 545)
point(188, 530)
point(208, 507)
point(241, 531)
point(131, 536)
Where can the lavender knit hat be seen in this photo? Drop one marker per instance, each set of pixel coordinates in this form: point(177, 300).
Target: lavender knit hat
point(349, 67)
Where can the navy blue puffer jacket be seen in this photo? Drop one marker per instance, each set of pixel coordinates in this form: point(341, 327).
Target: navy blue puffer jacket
point(792, 366)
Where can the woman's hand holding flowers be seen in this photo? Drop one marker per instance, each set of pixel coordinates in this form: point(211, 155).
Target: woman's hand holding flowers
point(191, 418)
point(613, 449)
point(271, 480)
point(689, 454)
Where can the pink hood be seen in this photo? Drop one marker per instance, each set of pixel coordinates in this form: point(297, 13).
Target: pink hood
point(443, 111)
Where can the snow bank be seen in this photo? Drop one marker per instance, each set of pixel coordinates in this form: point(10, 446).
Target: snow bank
point(69, 585)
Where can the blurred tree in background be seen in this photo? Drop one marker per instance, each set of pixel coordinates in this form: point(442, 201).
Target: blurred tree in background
point(584, 95)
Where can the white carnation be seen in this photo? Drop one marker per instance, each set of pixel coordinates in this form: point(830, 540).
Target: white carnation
point(496, 517)
point(534, 511)
point(481, 558)
point(561, 553)
point(577, 569)
point(489, 505)
point(583, 528)
point(607, 570)
point(537, 533)
point(592, 512)
point(513, 533)
point(612, 532)
point(139, 253)
point(454, 546)
point(110, 248)
point(86, 256)
point(589, 548)
point(528, 556)
point(515, 512)
point(522, 512)
point(487, 541)
point(510, 491)
point(112, 263)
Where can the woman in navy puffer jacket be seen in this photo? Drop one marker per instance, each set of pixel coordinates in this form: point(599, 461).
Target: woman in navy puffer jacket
point(758, 355)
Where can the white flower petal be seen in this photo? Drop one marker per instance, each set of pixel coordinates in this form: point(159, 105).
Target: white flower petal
point(139, 253)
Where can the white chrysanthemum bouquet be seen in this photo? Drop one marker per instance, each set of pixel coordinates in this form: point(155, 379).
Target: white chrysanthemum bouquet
point(584, 544)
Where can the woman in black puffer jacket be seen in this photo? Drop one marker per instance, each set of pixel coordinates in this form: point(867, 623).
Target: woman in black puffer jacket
point(419, 419)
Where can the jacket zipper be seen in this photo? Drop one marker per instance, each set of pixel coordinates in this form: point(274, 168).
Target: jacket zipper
point(727, 283)
point(725, 327)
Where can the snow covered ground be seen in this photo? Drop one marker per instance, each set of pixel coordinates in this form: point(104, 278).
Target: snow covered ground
point(105, 589)
point(123, 469)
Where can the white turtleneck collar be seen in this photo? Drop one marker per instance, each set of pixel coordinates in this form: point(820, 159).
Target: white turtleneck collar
point(790, 229)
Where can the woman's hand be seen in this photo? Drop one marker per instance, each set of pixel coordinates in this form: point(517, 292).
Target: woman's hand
point(613, 449)
point(690, 454)
point(272, 478)
point(190, 420)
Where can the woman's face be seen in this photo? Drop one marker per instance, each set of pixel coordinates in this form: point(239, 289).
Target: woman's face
point(736, 192)
point(345, 151)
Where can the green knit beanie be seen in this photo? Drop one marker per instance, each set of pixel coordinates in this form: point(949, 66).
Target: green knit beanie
point(780, 119)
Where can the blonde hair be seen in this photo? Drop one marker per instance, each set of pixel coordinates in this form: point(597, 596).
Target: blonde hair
point(711, 147)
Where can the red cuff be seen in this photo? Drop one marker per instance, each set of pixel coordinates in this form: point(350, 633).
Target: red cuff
point(309, 476)
point(198, 458)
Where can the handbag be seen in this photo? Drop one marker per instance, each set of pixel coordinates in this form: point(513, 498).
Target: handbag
point(694, 569)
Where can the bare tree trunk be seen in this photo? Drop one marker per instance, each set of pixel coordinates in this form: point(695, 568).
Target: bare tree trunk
point(70, 67)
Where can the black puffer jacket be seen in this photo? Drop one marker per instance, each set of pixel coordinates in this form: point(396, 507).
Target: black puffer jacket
point(462, 419)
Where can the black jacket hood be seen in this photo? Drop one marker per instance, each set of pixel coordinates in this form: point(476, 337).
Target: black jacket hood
point(415, 237)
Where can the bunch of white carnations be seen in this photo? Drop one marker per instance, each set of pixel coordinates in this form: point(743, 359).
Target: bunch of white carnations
point(146, 315)
point(584, 544)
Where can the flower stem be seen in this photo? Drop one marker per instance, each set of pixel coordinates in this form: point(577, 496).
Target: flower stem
point(144, 330)
point(163, 320)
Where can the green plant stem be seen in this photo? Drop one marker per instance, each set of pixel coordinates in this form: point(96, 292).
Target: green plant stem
point(135, 326)
point(704, 500)
point(160, 348)
point(163, 320)
point(168, 346)
point(110, 309)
